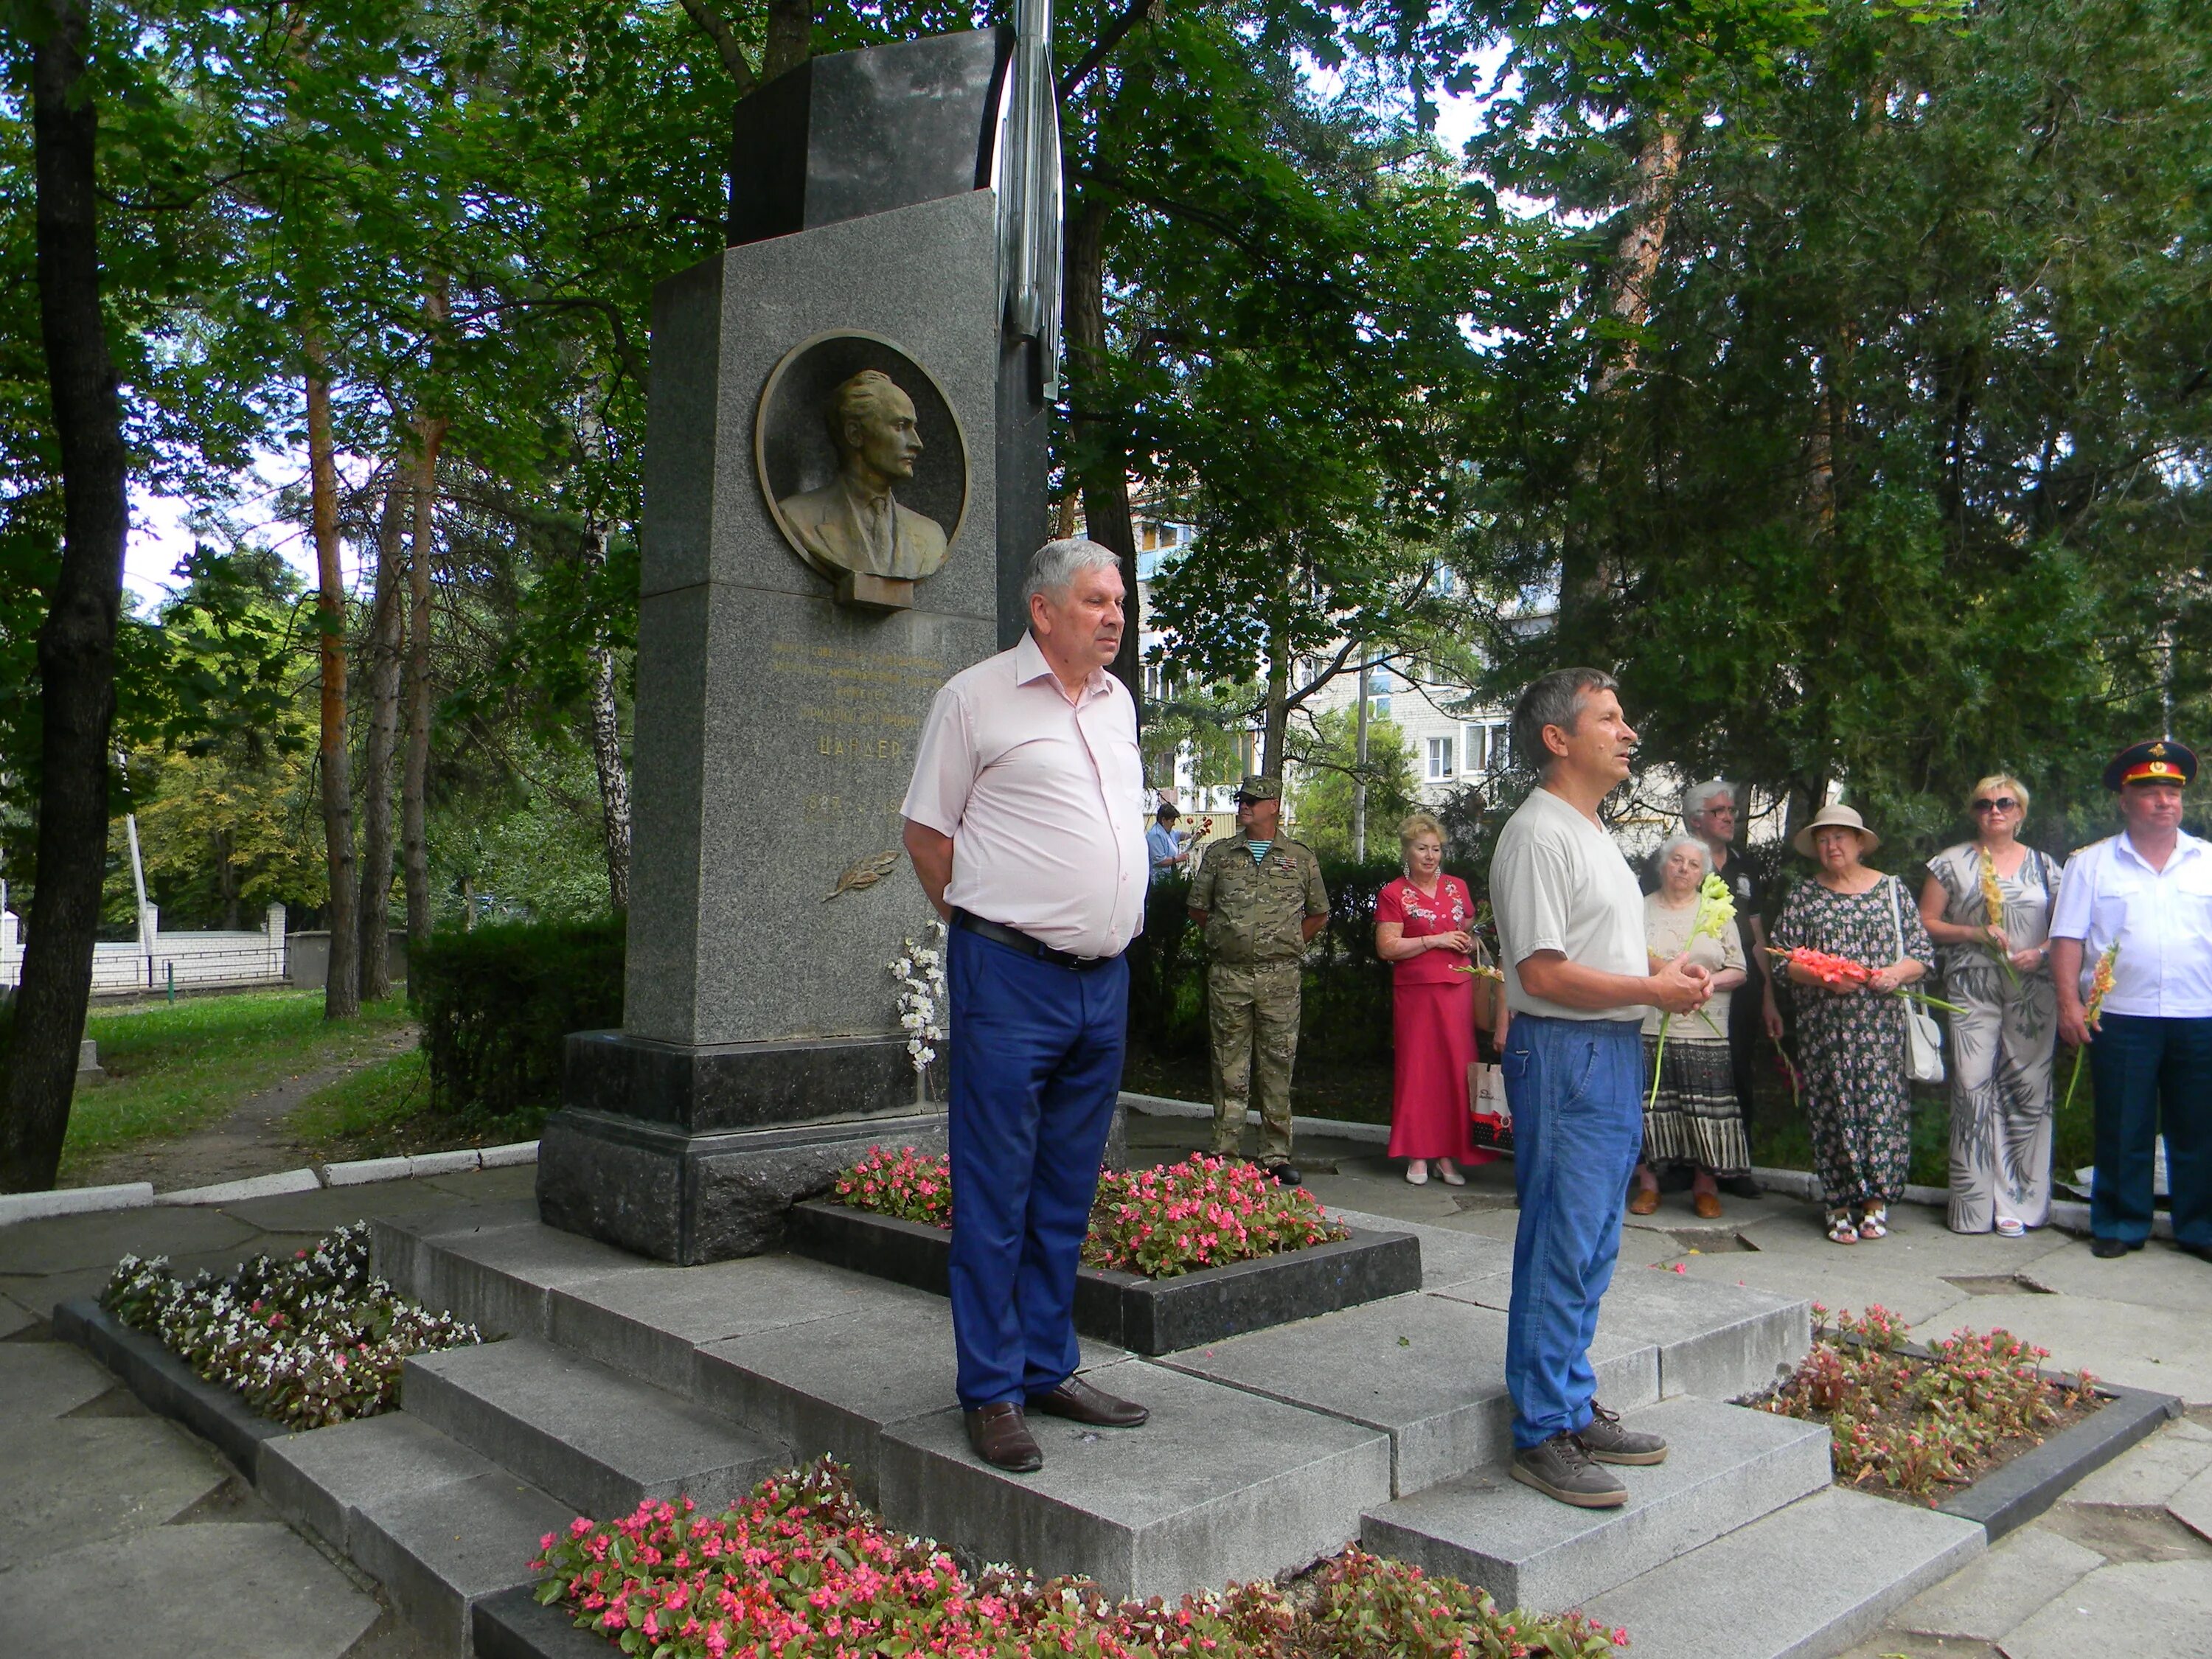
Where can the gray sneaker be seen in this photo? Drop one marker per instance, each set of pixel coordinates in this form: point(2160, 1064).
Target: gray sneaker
point(1609, 1442)
point(1561, 1469)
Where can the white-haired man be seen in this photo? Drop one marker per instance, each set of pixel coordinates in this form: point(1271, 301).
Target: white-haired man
point(1023, 824)
point(1711, 811)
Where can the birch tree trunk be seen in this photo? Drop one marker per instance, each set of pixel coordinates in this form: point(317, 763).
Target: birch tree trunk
point(386, 618)
point(606, 744)
point(76, 644)
point(342, 988)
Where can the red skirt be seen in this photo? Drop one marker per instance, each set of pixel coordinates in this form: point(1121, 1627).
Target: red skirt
point(1434, 1030)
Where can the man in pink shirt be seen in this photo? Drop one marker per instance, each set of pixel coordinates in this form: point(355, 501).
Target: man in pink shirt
point(1025, 824)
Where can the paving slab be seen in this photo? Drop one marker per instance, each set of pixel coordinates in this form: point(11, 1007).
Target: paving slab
point(503, 1278)
point(1219, 1486)
point(2192, 1506)
point(2156, 1276)
point(79, 1480)
point(1804, 1583)
point(2145, 1475)
point(2137, 1607)
point(598, 1441)
point(321, 1480)
point(1715, 1339)
point(337, 1206)
point(1992, 1595)
point(14, 1316)
point(1428, 1371)
point(1726, 1466)
point(437, 1552)
point(76, 1243)
point(41, 1380)
point(2118, 1341)
point(649, 1324)
point(1855, 1278)
point(278, 1598)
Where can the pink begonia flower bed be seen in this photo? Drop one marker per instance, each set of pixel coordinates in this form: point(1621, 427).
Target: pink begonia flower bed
point(1202, 1213)
point(800, 1569)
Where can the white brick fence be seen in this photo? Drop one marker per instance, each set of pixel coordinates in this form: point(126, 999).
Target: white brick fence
point(156, 961)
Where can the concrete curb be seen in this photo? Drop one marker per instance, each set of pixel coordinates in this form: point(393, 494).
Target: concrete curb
point(168, 1386)
point(73, 1201)
point(2015, 1494)
point(361, 1172)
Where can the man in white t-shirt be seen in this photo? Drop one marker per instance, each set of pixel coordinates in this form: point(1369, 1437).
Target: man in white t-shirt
point(1577, 978)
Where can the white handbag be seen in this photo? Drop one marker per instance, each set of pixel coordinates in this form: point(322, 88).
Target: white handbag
point(1923, 1037)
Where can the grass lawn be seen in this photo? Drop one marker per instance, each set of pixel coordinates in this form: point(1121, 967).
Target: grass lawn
point(383, 1111)
point(174, 1067)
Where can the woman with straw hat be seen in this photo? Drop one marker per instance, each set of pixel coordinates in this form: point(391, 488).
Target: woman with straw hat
point(1850, 1035)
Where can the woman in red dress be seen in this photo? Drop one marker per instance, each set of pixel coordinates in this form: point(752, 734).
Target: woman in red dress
point(1424, 925)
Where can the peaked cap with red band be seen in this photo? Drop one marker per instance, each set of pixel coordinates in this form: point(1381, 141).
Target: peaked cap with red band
point(2161, 761)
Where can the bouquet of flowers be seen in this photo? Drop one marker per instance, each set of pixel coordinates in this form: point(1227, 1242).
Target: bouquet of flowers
point(1716, 914)
point(1843, 971)
point(2100, 983)
point(1993, 904)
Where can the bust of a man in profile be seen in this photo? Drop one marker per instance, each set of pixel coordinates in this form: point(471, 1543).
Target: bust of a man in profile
point(853, 522)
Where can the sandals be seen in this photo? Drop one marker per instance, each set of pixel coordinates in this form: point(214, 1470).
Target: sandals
point(1840, 1228)
point(1874, 1222)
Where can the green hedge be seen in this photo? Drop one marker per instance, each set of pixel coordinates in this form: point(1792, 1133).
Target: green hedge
point(496, 1003)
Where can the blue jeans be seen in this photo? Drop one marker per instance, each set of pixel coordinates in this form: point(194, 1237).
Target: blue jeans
point(2144, 1069)
point(1036, 1069)
point(1577, 1090)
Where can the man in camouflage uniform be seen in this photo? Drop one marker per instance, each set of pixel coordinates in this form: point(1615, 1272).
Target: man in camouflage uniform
point(1259, 898)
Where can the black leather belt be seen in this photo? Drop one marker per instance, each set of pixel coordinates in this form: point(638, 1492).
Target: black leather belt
point(1028, 947)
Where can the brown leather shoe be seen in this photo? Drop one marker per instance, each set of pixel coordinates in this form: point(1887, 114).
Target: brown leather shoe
point(1079, 1401)
point(1708, 1205)
point(1646, 1202)
point(1001, 1437)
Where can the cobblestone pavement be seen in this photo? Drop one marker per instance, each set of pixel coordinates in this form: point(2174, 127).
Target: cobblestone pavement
point(113, 1520)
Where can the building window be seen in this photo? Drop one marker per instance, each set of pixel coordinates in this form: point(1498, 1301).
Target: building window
point(1440, 759)
point(1488, 747)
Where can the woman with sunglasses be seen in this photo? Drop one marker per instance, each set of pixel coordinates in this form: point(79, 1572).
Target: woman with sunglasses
point(2001, 1046)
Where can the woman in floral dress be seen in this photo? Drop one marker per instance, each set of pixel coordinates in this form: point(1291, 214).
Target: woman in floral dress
point(2001, 1046)
point(1850, 1039)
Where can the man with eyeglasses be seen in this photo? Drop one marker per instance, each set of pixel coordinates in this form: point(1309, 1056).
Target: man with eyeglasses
point(2148, 890)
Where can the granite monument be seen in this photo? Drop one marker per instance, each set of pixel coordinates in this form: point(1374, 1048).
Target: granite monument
point(882, 329)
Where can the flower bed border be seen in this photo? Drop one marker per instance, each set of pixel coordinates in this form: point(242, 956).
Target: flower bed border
point(1145, 1316)
point(168, 1387)
point(2016, 1491)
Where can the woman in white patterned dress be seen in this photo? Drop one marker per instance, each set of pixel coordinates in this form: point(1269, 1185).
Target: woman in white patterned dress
point(2001, 1046)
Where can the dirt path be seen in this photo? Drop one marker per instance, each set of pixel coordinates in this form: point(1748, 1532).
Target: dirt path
point(253, 1140)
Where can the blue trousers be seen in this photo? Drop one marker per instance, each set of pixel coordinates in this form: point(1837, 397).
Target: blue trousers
point(2145, 1069)
point(1037, 1068)
point(1576, 1089)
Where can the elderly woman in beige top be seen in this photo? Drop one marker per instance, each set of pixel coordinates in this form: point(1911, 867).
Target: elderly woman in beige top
point(1693, 1116)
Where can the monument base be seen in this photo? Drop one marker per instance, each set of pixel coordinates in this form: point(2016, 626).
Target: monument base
point(689, 1196)
point(692, 1153)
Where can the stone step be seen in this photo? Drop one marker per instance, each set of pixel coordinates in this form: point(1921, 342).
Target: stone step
point(598, 1441)
point(1428, 1371)
point(437, 1526)
point(496, 1265)
point(1805, 1582)
point(1715, 1340)
point(1726, 1466)
point(1219, 1486)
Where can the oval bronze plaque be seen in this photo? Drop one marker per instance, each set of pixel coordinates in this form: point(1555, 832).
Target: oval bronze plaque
point(862, 461)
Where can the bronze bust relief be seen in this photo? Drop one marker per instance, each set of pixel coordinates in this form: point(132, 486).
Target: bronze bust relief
point(863, 464)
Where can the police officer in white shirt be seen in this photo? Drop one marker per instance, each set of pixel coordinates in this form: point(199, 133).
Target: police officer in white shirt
point(2148, 891)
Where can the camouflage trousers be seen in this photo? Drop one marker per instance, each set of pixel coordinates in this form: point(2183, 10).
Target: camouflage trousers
point(1254, 1012)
